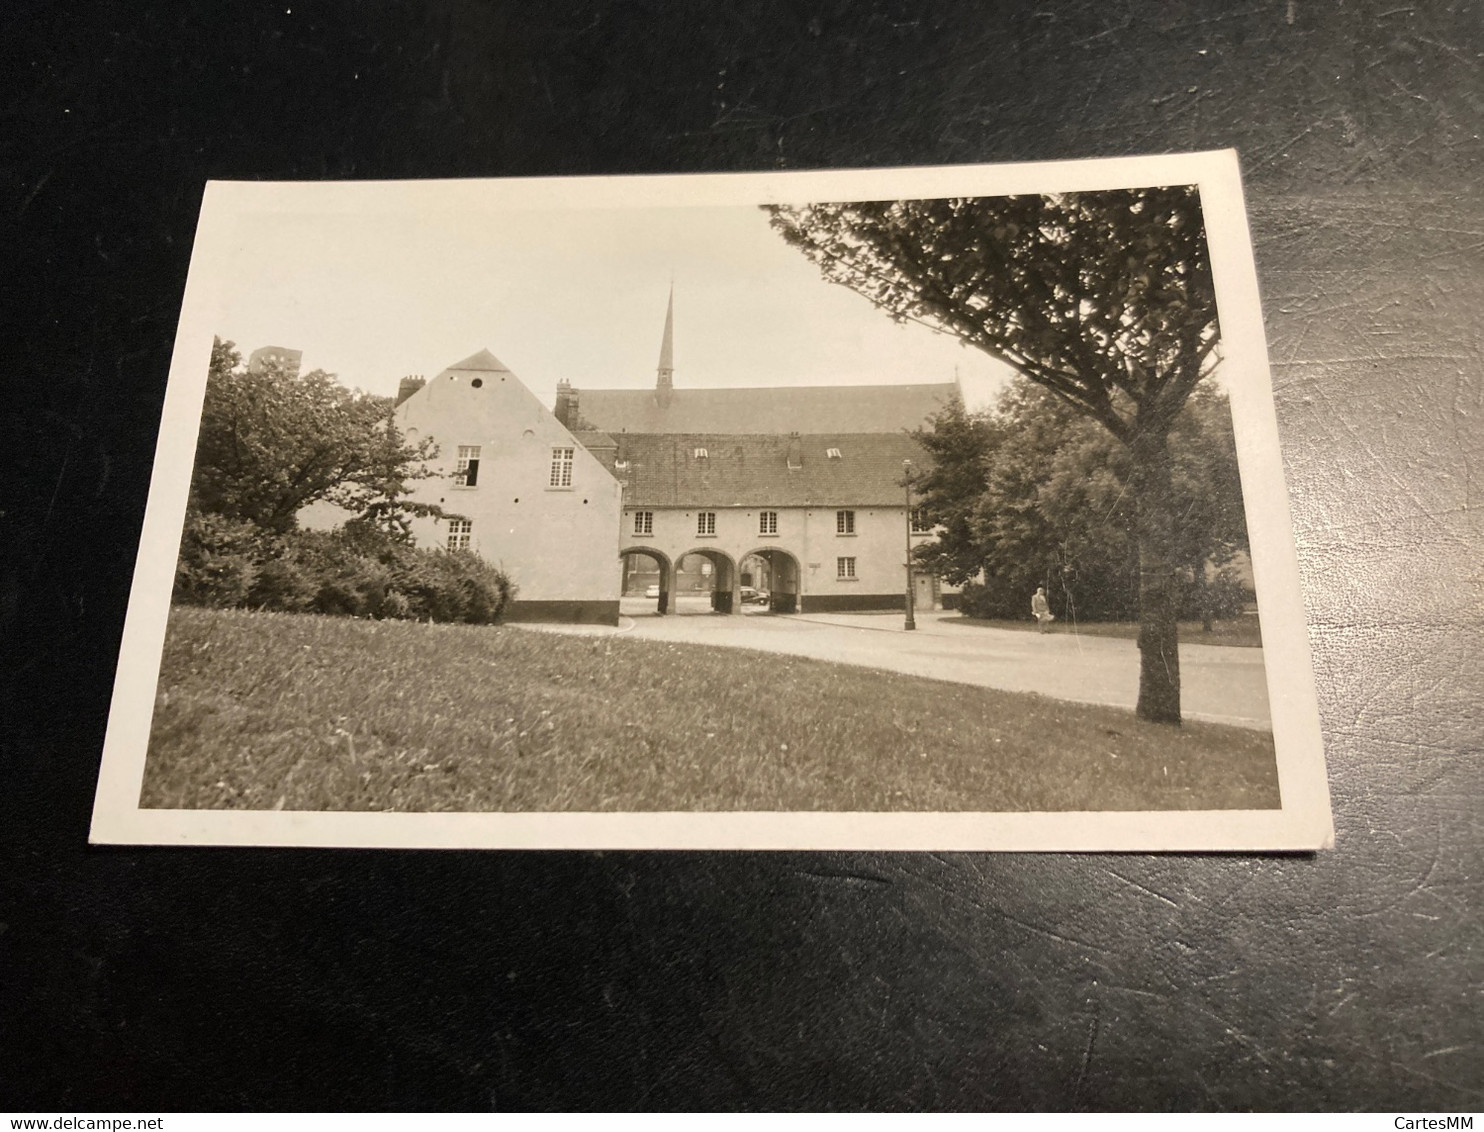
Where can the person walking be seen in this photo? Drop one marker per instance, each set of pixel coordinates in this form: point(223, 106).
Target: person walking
point(1041, 610)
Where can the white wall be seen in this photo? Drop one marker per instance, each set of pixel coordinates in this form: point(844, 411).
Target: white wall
point(556, 544)
point(808, 533)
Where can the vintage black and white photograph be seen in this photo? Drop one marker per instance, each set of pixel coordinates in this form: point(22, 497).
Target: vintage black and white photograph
point(901, 509)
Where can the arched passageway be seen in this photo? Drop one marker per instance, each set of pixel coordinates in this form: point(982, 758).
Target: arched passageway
point(706, 581)
point(774, 572)
point(648, 576)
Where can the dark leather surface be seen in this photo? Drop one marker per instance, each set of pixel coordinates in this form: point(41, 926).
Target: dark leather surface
point(165, 979)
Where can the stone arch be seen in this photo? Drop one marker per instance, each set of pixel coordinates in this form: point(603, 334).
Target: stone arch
point(724, 581)
point(785, 577)
point(666, 572)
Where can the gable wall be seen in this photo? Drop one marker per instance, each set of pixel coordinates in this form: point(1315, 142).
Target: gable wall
point(557, 545)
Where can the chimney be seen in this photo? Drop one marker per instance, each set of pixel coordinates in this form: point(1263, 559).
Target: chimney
point(566, 410)
point(408, 386)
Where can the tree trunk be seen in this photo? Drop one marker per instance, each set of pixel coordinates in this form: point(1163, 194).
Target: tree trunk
point(1159, 589)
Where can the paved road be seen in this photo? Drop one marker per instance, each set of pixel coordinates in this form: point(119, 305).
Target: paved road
point(1218, 683)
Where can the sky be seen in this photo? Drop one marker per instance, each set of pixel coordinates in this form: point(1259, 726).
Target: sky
point(574, 294)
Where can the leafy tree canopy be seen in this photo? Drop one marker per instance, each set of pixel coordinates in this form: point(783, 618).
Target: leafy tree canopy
point(1103, 298)
point(1037, 494)
point(275, 441)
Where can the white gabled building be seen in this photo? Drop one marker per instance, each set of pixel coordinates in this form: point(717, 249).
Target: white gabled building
point(533, 501)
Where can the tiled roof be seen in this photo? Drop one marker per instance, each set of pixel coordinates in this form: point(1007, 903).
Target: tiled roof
point(749, 470)
point(590, 438)
point(785, 409)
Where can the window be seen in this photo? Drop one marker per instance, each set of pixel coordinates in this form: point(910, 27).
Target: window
point(701, 453)
point(767, 522)
point(921, 524)
point(561, 467)
point(459, 532)
point(845, 567)
point(832, 453)
point(706, 523)
point(644, 522)
point(466, 467)
point(845, 522)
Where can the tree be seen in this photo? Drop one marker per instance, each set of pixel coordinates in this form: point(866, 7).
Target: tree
point(1103, 298)
point(1046, 503)
point(274, 441)
point(949, 490)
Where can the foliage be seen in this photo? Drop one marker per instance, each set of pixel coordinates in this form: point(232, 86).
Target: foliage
point(359, 570)
point(1224, 595)
point(948, 489)
point(218, 561)
point(272, 443)
point(1104, 299)
point(1044, 499)
point(362, 571)
point(275, 441)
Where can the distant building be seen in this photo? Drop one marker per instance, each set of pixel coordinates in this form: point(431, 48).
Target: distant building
point(799, 491)
point(284, 359)
point(754, 409)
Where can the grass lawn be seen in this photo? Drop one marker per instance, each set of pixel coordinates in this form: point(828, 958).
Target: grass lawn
point(1242, 632)
point(280, 711)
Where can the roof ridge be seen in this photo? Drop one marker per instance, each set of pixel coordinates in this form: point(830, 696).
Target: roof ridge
point(481, 360)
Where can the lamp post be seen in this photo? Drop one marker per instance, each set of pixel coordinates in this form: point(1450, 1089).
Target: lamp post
point(907, 485)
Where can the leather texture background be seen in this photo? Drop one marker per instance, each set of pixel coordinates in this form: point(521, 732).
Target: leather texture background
point(205, 979)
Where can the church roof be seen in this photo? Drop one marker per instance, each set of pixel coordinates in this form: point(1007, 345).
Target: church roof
point(665, 470)
point(761, 410)
point(484, 362)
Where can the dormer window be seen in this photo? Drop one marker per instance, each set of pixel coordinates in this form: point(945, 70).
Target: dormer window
point(701, 453)
point(466, 466)
point(832, 453)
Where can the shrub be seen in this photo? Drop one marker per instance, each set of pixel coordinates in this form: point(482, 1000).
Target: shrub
point(1074, 595)
point(356, 571)
point(352, 585)
point(283, 584)
point(218, 561)
point(395, 606)
point(1111, 597)
point(1225, 594)
point(486, 590)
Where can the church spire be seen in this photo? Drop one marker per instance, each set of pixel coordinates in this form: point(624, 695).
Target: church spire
point(665, 384)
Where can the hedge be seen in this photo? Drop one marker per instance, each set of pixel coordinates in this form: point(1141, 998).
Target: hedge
point(353, 571)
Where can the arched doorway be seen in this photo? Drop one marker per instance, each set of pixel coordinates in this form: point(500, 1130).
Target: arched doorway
point(705, 582)
point(774, 572)
point(648, 581)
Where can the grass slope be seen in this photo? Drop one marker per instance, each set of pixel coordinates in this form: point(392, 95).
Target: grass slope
point(265, 711)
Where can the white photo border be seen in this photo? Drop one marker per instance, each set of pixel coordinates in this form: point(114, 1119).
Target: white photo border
point(1303, 823)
